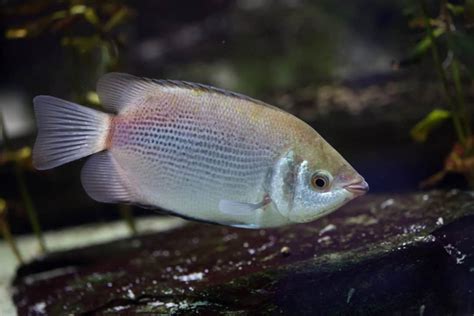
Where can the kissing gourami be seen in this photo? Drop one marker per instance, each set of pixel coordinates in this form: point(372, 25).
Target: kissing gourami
point(195, 151)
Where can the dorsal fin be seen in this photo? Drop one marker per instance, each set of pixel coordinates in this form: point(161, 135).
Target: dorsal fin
point(118, 90)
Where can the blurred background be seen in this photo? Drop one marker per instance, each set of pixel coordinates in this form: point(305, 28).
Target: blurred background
point(362, 73)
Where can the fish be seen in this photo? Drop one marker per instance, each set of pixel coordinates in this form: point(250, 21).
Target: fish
point(195, 151)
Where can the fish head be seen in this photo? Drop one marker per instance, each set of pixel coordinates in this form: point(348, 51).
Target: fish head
point(314, 181)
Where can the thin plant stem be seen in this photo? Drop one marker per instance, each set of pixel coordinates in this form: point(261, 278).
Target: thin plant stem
point(25, 194)
point(456, 73)
point(127, 215)
point(442, 74)
point(460, 98)
point(28, 203)
point(7, 235)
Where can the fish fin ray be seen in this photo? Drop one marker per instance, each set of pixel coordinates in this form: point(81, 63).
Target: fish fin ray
point(238, 208)
point(104, 180)
point(66, 131)
point(117, 90)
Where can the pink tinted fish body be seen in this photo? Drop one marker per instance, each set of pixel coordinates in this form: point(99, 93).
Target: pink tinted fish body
point(193, 150)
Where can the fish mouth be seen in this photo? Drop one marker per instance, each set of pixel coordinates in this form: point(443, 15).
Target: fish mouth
point(358, 188)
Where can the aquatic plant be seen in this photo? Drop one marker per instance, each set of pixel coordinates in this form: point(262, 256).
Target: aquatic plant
point(5, 231)
point(127, 215)
point(17, 157)
point(449, 36)
point(90, 34)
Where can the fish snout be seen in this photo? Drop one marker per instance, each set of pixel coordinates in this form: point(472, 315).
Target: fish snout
point(359, 187)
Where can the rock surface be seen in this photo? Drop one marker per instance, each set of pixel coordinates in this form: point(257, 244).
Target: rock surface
point(407, 253)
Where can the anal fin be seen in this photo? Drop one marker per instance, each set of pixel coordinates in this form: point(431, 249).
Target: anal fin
point(104, 180)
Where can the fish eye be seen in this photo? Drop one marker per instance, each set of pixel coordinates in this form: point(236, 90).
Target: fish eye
point(320, 181)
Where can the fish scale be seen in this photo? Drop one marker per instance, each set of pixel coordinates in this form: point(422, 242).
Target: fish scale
point(184, 154)
point(196, 151)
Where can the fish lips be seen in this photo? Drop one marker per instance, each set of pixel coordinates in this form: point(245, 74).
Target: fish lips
point(357, 188)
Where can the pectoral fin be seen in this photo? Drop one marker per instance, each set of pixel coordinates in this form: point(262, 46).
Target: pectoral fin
point(241, 208)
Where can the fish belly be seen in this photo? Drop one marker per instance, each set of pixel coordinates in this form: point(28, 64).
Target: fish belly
point(187, 155)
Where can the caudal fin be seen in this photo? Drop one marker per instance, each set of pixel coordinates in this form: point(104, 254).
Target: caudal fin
point(66, 132)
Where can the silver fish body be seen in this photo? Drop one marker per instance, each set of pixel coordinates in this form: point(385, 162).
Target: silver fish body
point(196, 151)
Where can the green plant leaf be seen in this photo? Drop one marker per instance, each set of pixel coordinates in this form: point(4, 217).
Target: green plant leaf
point(118, 18)
point(425, 43)
point(455, 9)
point(423, 128)
point(463, 48)
point(469, 11)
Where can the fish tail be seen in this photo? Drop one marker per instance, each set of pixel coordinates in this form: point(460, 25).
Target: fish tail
point(67, 132)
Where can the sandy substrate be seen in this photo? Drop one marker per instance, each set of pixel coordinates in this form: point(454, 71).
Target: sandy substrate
point(67, 239)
